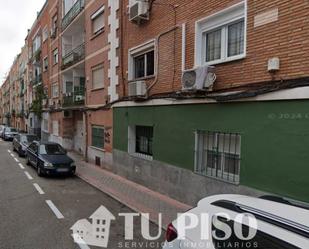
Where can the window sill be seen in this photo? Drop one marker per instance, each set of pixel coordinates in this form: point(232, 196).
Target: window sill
point(218, 179)
point(230, 59)
point(98, 33)
point(98, 149)
point(142, 156)
point(143, 78)
point(97, 89)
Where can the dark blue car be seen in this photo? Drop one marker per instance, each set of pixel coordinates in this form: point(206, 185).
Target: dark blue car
point(49, 159)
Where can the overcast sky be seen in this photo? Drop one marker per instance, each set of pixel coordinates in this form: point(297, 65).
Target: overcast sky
point(16, 16)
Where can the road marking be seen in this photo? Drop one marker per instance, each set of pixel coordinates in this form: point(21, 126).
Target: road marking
point(21, 166)
point(16, 159)
point(54, 209)
point(28, 175)
point(80, 242)
point(12, 155)
point(9, 151)
point(38, 188)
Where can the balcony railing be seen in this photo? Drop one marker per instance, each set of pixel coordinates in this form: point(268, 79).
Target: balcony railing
point(74, 56)
point(73, 12)
point(75, 98)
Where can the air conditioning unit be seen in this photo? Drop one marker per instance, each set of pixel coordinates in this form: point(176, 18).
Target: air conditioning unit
point(79, 97)
point(138, 10)
point(67, 114)
point(198, 78)
point(137, 88)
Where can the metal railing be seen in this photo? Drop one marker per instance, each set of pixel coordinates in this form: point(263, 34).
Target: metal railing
point(218, 155)
point(75, 98)
point(74, 56)
point(72, 13)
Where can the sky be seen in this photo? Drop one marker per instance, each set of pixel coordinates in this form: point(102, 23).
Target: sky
point(16, 17)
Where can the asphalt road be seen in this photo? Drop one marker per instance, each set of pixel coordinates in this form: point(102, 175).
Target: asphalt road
point(37, 213)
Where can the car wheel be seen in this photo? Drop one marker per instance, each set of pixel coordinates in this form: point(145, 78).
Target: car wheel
point(27, 160)
point(39, 171)
point(72, 173)
point(19, 153)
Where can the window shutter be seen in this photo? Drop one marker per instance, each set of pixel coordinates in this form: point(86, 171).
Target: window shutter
point(98, 77)
point(98, 23)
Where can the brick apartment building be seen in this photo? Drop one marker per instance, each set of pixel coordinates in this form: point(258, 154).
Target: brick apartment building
point(83, 76)
point(186, 98)
point(71, 62)
point(244, 133)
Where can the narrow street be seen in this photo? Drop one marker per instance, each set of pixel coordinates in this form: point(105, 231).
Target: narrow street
point(38, 212)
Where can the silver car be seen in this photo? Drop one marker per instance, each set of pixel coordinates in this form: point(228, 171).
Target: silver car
point(9, 133)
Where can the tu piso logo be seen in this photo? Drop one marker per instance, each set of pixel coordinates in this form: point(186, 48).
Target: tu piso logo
point(96, 232)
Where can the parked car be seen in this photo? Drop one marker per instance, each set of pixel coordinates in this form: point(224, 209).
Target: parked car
point(49, 159)
point(9, 133)
point(2, 127)
point(280, 224)
point(21, 142)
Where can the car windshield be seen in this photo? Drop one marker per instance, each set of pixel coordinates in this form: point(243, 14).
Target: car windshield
point(11, 130)
point(28, 139)
point(51, 149)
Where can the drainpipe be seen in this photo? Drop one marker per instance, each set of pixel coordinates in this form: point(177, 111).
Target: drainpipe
point(183, 51)
point(86, 135)
point(157, 42)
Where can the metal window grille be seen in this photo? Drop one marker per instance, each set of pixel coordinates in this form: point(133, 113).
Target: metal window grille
point(98, 137)
point(144, 137)
point(218, 155)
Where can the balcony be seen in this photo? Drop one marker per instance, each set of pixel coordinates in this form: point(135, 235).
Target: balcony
point(72, 13)
point(74, 56)
point(37, 55)
point(75, 98)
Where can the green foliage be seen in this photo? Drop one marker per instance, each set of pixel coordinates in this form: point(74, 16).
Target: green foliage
point(37, 107)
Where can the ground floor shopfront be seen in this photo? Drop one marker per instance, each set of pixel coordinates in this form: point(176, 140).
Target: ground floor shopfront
point(189, 151)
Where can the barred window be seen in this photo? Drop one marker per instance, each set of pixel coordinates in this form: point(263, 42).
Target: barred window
point(98, 137)
point(217, 154)
point(144, 135)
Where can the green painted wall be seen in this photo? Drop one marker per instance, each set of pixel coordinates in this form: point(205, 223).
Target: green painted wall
point(275, 138)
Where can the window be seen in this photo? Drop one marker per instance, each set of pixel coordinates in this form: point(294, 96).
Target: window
point(140, 141)
point(222, 36)
point(45, 125)
point(54, 26)
point(45, 34)
point(55, 128)
point(55, 56)
point(218, 155)
point(142, 61)
point(55, 90)
point(45, 64)
point(144, 65)
point(98, 137)
point(97, 20)
point(36, 44)
point(98, 77)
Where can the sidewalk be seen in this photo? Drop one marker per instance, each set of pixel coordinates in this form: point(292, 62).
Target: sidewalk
point(135, 196)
